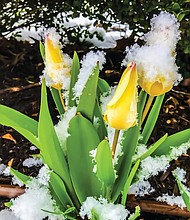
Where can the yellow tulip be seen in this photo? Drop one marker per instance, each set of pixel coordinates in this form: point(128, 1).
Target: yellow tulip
point(121, 111)
point(155, 87)
point(56, 67)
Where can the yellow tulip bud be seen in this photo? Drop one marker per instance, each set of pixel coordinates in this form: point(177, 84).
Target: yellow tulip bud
point(121, 111)
point(58, 65)
point(155, 87)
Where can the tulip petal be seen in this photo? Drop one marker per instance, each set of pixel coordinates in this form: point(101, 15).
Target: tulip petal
point(123, 83)
point(53, 53)
point(121, 111)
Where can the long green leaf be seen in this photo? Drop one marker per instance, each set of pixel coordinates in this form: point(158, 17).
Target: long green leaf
point(129, 181)
point(56, 94)
point(100, 126)
point(183, 191)
point(129, 143)
point(51, 150)
point(25, 125)
point(88, 98)
point(141, 103)
point(83, 139)
point(42, 50)
point(105, 170)
point(152, 148)
point(11, 117)
point(174, 140)
point(20, 176)
point(152, 118)
point(74, 77)
point(58, 186)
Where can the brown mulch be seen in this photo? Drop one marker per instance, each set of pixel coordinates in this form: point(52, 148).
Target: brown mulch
point(20, 67)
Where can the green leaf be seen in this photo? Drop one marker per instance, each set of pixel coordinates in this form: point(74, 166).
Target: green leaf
point(95, 215)
point(20, 176)
point(42, 50)
point(103, 86)
point(83, 139)
point(100, 126)
point(51, 150)
point(88, 97)
point(8, 204)
point(152, 148)
point(180, 16)
point(129, 143)
point(105, 170)
point(56, 94)
point(25, 125)
point(152, 118)
point(129, 181)
point(74, 77)
point(176, 7)
point(183, 191)
point(141, 103)
point(58, 187)
point(174, 140)
point(11, 117)
point(136, 214)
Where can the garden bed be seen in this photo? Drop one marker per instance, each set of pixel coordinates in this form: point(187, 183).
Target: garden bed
point(21, 66)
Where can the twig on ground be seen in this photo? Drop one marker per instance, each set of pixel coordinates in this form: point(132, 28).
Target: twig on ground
point(10, 191)
point(18, 89)
point(157, 207)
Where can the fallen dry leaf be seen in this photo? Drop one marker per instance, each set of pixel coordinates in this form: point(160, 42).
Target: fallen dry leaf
point(8, 137)
point(10, 162)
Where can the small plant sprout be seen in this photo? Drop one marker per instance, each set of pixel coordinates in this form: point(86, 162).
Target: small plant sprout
point(88, 170)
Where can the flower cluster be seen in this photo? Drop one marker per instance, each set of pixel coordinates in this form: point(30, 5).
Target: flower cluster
point(90, 163)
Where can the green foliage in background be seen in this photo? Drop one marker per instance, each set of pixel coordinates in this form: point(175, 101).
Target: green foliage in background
point(20, 13)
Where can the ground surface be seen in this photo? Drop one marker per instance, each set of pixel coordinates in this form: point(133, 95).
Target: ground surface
point(20, 67)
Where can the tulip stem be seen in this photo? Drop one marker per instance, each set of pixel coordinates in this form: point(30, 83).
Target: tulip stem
point(147, 107)
point(61, 98)
point(115, 140)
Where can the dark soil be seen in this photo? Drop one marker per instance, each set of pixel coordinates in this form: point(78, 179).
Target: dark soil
point(20, 67)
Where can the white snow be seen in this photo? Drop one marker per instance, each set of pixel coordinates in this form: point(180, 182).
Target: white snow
point(141, 188)
point(88, 63)
point(180, 173)
point(33, 147)
point(29, 205)
point(2, 168)
point(172, 200)
point(115, 32)
point(34, 203)
point(62, 126)
point(7, 214)
point(156, 59)
point(44, 175)
point(30, 162)
point(105, 210)
point(151, 166)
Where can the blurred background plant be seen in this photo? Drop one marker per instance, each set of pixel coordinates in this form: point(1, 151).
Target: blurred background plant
point(136, 14)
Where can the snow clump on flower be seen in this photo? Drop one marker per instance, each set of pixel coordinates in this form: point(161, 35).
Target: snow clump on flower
point(156, 59)
point(57, 64)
